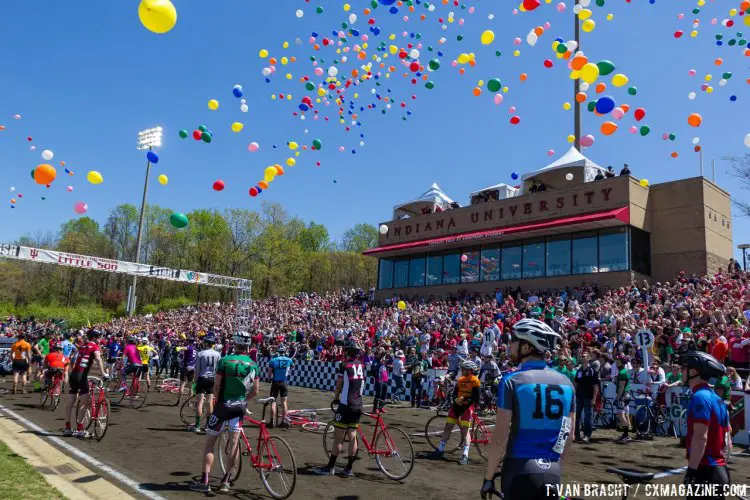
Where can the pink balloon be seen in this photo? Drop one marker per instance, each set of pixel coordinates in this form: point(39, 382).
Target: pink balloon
point(561, 7)
point(633, 129)
point(253, 147)
point(471, 10)
point(587, 141)
point(70, 189)
point(80, 208)
point(691, 72)
point(680, 16)
point(498, 98)
point(618, 113)
point(664, 137)
point(551, 152)
point(464, 258)
point(547, 25)
point(516, 41)
point(512, 109)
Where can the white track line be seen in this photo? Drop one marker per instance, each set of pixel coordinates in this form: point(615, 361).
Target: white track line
point(135, 485)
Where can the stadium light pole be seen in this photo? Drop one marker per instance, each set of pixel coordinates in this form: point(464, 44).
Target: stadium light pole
point(147, 140)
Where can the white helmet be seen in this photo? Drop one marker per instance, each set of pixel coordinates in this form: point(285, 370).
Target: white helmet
point(537, 333)
point(242, 338)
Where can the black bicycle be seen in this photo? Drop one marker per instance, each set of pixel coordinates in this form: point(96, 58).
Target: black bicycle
point(652, 418)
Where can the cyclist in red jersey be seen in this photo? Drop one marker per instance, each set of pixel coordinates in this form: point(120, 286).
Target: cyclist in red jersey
point(79, 384)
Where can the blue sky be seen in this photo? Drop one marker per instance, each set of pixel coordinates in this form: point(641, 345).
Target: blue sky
point(85, 80)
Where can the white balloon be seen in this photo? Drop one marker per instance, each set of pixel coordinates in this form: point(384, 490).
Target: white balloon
point(333, 71)
point(532, 38)
point(299, 13)
point(578, 8)
point(352, 18)
point(696, 140)
point(568, 176)
point(584, 86)
point(266, 71)
point(722, 82)
point(13, 189)
point(414, 54)
point(244, 108)
point(47, 154)
point(491, 17)
point(691, 96)
point(585, 3)
point(383, 229)
point(747, 140)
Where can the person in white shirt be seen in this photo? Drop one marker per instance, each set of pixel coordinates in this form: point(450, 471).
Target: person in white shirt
point(638, 375)
point(488, 340)
point(656, 373)
point(398, 371)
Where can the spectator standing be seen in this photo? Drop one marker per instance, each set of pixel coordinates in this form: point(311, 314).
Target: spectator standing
point(398, 371)
point(587, 388)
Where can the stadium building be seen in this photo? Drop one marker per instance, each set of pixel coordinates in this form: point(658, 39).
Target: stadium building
point(580, 228)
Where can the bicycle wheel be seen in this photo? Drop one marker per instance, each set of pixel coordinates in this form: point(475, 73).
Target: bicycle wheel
point(278, 468)
point(681, 425)
point(642, 419)
point(223, 453)
point(394, 453)
point(314, 426)
point(43, 397)
point(56, 392)
point(433, 431)
point(328, 435)
point(137, 397)
point(101, 422)
point(83, 413)
point(118, 391)
point(187, 411)
point(480, 438)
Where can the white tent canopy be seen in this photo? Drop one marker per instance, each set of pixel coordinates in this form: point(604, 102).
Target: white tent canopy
point(553, 175)
point(504, 190)
point(432, 198)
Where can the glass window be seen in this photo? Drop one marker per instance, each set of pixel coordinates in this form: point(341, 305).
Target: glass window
point(511, 262)
point(558, 255)
point(640, 251)
point(434, 270)
point(613, 250)
point(489, 267)
point(585, 253)
point(416, 271)
point(533, 259)
point(451, 268)
point(401, 274)
point(470, 266)
point(385, 274)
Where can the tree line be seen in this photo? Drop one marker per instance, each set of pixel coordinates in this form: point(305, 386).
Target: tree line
point(280, 253)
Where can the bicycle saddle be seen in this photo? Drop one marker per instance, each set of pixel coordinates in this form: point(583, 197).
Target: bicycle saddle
point(266, 400)
point(631, 476)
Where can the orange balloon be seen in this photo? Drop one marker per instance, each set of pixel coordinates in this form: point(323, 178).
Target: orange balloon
point(461, 71)
point(524, 77)
point(263, 185)
point(272, 60)
point(719, 61)
point(2, 127)
point(601, 87)
point(695, 120)
point(579, 62)
point(477, 91)
point(625, 107)
point(608, 128)
point(44, 174)
point(674, 155)
point(539, 31)
point(581, 97)
point(279, 169)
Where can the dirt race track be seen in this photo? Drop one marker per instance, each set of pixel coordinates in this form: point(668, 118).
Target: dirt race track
point(150, 446)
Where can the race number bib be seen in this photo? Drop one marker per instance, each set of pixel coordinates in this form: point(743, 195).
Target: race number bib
point(562, 437)
point(249, 381)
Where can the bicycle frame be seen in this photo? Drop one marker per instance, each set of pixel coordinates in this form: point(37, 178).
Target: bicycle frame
point(263, 436)
point(381, 428)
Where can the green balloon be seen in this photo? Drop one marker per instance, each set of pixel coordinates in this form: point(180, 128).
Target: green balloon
point(183, 134)
point(633, 90)
point(32, 172)
point(434, 64)
point(605, 67)
point(561, 48)
point(645, 130)
point(600, 3)
point(591, 106)
point(498, 53)
point(494, 85)
point(672, 137)
point(319, 10)
point(430, 85)
point(178, 220)
point(206, 137)
point(317, 144)
point(309, 86)
point(202, 128)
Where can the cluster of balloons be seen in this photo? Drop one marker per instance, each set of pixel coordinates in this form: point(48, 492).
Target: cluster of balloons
point(201, 133)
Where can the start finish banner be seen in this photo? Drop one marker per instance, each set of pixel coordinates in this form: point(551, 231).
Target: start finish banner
point(100, 264)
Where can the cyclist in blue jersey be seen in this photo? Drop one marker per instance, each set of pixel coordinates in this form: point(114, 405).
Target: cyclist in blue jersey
point(535, 419)
point(278, 372)
point(709, 434)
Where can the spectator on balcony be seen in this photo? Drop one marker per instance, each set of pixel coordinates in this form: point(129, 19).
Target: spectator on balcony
point(599, 176)
point(534, 187)
point(542, 187)
point(625, 170)
point(610, 172)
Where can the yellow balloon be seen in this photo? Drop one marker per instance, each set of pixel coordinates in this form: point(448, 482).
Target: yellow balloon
point(94, 177)
point(619, 80)
point(163, 180)
point(644, 183)
point(566, 106)
point(463, 58)
point(584, 14)
point(571, 138)
point(588, 25)
point(590, 72)
point(488, 37)
point(237, 127)
point(213, 104)
point(401, 305)
point(157, 16)
point(263, 53)
point(291, 162)
point(747, 21)
point(293, 146)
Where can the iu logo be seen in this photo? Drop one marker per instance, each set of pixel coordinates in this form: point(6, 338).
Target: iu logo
point(34, 252)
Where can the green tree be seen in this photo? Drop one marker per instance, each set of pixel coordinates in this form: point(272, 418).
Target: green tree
point(360, 238)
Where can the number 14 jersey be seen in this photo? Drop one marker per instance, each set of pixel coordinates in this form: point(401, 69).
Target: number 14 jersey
point(353, 375)
point(541, 400)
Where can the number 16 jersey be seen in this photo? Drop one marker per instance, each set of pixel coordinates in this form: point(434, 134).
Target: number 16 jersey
point(541, 400)
point(353, 374)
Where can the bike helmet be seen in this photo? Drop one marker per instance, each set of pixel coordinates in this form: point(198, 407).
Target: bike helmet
point(210, 340)
point(706, 365)
point(281, 350)
point(352, 347)
point(93, 333)
point(624, 358)
point(242, 338)
point(536, 333)
point(469, 365)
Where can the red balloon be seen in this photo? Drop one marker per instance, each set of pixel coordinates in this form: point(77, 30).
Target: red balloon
point(197, 134)
point(639, 114)
point(531, 4)
point(678, 34)
point(515, 120)
point(414, 66)
point(253, 192)
point(548, 63)
point(219, 185)
point(29, 139)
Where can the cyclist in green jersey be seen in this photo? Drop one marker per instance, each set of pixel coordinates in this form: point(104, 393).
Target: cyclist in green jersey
point(623, 397)
point(235, 383)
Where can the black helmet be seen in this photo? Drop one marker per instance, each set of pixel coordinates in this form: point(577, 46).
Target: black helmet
point(706, 365)
point(351, 347)
point(209, 340)
point(93, 333)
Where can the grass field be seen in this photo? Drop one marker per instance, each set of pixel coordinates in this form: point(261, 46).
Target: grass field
point(19, 480)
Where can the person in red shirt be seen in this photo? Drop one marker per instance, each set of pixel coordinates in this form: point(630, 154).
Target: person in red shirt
point(54, 363)
point(79, 384)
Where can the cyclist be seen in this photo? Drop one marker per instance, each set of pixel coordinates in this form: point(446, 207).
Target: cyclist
point(21, 355)
point(465, 396)
point(145, 351)
point(235, 384)
point(40, 351)
point(114, 349)
point(278, 371)
point(349, 387)
point(535, 418)
point(622, 400)
point(187, 369)
point(709, 431)
point(53, 364)
point(131, 363)
point(205, 366)
point(79, 384)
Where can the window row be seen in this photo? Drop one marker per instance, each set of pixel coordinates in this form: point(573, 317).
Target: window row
point(579, 253)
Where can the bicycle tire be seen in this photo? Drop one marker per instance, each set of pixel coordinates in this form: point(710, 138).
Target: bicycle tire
point(328, 440)
point(480, 438)
point(119, 395)
point(433, 431)
point(682, 424)
point(86, 420)
point(643, 424)
point(187, 411)
point(43, 397)
point(405, 449)
point(314, 426)
point(139, 399)
point(223, 451)
point(270, 449)
point(101, 423)
point(56, 399)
